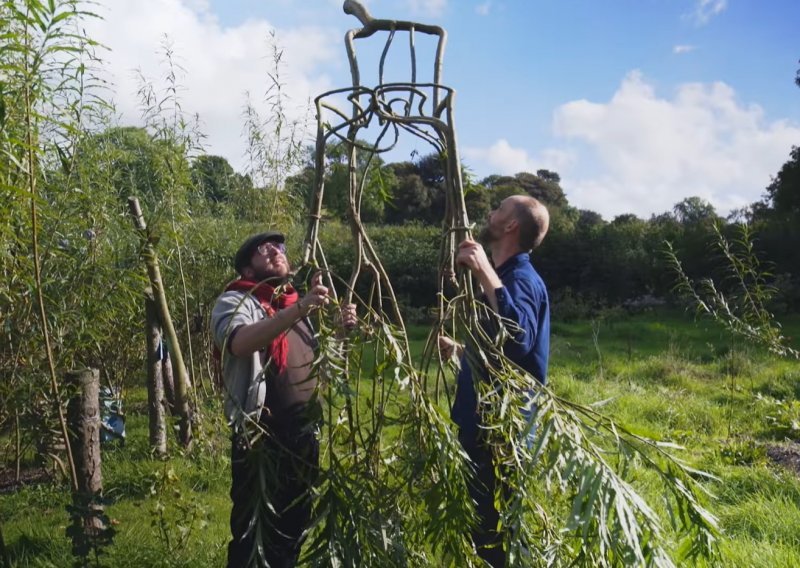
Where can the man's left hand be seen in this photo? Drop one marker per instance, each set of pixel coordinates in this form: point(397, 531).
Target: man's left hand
point(349, 316)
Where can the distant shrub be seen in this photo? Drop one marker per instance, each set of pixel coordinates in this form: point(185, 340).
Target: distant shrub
point(409, 254)
point(568, 305)
point(645, 303)
point(787, 293)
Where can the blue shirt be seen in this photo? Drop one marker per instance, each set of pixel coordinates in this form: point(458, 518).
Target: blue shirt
point(523, 300)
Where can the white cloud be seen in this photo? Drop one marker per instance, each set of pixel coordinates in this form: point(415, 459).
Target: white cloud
point(652, 152)
point(221, 63)
point(502, 158)
point(707, 9)
point(681, 49)
point(484, 8)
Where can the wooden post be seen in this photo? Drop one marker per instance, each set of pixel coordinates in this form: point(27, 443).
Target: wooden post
point(154, 273)
point(3, 551)
point(155, 383)
point(169, 383)
point(83, 416)
point(17, 446)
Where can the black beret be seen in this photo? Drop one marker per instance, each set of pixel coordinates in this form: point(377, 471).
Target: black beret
point(245, 252)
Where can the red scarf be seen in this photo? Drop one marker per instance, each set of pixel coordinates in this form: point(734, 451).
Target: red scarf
point(278, 350)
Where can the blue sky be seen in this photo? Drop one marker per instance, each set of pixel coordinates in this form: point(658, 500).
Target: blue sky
point(636, 103)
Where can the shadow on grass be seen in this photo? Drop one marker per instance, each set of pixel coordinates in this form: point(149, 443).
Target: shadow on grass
point(29, 550)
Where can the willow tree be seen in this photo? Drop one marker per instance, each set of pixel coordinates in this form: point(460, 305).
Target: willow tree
point(394, 483)
point(44, 78)
point(69, 291)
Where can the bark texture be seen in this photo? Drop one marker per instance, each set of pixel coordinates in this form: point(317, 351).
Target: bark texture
point(155, 380)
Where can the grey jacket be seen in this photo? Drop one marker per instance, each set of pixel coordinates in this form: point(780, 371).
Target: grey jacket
point(244, 377)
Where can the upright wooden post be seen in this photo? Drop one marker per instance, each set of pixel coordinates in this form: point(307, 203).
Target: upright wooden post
point(17, 446)
point(181, 376)
point(169, 381)
point(83, 417)
point(3, 551)
point(155, 383)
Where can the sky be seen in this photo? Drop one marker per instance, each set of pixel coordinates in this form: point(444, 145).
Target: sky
point(636, 104)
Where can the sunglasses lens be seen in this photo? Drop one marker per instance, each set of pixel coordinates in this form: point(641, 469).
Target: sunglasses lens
point(264, 248)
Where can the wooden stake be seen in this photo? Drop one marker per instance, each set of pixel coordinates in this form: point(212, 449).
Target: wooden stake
point(154, 272)
point(155, 383)
point(83, 416)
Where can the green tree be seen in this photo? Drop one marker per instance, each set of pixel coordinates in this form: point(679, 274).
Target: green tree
point(797, 78)
point(378, 179)
point(478, 201)
point(544, 186)
point(622, 265)
point(588, 220)
point(500, 192)
point(431, 169)
point(784, 190)
point(411, 200)
point(693, 210)
point(139, 164)
point(215, 179)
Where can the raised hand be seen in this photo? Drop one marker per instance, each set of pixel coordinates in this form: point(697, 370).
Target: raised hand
point(472, 255)
point(348, 315)
point(318, 295)
point(448, 348)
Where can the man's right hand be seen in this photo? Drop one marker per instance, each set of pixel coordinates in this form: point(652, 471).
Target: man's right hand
point(449, 348)
point(472, 255)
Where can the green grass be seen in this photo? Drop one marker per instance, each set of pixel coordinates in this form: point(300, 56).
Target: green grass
point(691, 383)
point(660, 375)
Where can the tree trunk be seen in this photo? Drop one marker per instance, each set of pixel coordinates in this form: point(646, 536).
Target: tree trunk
point(154, 273)
point(17, 447)
point(83, 415)
point(155, 384)
point(169, 382)
point(3, 551)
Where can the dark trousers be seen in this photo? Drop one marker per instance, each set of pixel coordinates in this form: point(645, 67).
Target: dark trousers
point(488, 541)
point(270, 491)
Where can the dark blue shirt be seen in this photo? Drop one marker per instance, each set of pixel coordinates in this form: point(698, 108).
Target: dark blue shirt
point(523, 300)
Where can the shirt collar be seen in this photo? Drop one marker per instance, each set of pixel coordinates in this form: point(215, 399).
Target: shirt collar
point(513, 262)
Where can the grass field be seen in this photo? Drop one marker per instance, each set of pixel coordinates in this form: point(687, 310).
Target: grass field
point(733, 407)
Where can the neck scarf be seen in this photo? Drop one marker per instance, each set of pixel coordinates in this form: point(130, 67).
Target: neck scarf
point(278, 349)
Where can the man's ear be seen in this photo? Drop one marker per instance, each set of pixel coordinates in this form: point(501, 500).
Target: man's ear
point(247, 273)
point(511, 225)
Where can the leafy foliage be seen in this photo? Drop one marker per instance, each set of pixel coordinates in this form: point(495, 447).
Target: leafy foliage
point(784, 190)
point(393, 490)
point(743, 311)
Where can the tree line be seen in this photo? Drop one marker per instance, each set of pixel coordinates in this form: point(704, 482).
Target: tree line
point(588, 261)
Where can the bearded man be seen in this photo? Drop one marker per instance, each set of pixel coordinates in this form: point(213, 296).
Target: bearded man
point(266, 345)
point(515, 292)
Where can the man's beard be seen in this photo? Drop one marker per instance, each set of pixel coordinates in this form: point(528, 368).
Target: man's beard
point(485, 236)
point(272, 277)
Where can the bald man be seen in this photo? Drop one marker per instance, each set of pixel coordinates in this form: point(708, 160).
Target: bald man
point(516, 292)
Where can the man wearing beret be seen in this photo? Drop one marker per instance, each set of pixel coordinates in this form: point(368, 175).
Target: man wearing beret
point(266, 345)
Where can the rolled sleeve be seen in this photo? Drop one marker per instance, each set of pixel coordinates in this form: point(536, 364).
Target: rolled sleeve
point(229, 314)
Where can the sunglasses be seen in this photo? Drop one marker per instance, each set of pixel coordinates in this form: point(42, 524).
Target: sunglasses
point(267, 246)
